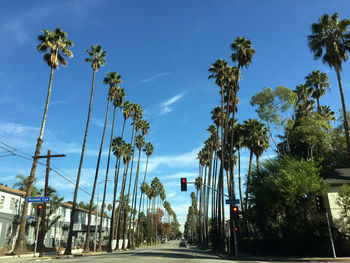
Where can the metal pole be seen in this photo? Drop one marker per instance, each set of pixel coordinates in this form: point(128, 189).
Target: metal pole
point(98, 198)
point(330, 236)
point(36, 235)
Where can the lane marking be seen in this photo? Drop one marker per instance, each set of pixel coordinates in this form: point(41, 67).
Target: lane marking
point(164, 254)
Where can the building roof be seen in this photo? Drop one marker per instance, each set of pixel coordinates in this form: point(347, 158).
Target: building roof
point(12, 190)
point(338, 176)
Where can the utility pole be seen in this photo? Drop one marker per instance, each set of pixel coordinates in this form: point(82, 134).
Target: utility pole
point(43, 214)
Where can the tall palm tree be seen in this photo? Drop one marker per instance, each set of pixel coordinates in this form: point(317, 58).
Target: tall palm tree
point(140, 143)
point(304, 105)
point(127, 155)
point(118, 100)
point(97, 59)
point(317, 83)
point(118, 147)
point(148, 149)
point(112, 78)
point(127, 112)
point(256, 140)
point(55, 45)
point(137, 115)
point(330, 40)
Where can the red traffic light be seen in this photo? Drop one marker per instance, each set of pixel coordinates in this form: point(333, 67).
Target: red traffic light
point(235, 209)
point(40, 206)
point(183, 184)
point(236, 228)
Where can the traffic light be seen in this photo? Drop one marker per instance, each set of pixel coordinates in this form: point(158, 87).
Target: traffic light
point(236, 228)
point(319, 203)
point(39, 209)
point(183, 184)
point(235, 212)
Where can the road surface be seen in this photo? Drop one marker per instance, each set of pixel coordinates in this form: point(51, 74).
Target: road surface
point(169, 252)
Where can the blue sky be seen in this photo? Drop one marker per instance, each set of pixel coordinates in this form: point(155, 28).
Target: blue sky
point(163, 50)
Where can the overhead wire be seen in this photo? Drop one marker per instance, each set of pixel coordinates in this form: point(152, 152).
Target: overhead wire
point(55, 170)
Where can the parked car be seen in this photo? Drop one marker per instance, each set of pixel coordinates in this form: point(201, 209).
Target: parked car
point(164, 240)
point(183, 243)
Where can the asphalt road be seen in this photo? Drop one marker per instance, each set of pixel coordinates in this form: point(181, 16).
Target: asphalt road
point(169, 252)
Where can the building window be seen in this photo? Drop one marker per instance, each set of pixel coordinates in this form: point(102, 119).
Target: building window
point(2, 201)
point(8, 230)
point(12, 204)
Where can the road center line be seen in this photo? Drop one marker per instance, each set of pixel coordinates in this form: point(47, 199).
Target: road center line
point(164, 254)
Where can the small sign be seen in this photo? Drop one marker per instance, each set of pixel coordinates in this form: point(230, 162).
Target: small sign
point(232, 201)
point(38, 199)
point(30, 217)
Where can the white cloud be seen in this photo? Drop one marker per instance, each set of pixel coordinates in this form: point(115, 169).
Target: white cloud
point(165, 106)
point(155, 77)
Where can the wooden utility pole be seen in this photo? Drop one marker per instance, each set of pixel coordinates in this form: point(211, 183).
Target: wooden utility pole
point(43, 214)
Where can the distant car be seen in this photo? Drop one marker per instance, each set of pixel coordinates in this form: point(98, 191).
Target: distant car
point(183, 243)
point(164, 240)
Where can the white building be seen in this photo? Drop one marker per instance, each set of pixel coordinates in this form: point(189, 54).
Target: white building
point(11, 203)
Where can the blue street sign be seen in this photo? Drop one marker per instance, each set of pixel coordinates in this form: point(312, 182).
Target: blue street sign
point(232, 201)
point(38, 199)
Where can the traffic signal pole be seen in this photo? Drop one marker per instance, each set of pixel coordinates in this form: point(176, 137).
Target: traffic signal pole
point(43, 214)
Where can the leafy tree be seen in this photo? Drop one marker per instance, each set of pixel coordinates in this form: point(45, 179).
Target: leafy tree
point(282, 197)
point(57, 45)
point(52, 216)
point(330, 39)
point(272, 104)
point(344, 202)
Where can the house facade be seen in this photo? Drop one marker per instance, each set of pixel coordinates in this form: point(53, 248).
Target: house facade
point(11, 205)
point(336, 179)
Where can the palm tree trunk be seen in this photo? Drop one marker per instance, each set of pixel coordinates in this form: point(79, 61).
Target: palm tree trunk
point(134, 199)
point(87, 241)
point(121, 203)
point(19, 242)
point(116, 178)
point(70, 233)
point(99, 247)
point(346, 124)
point(138, 221)
point(128, 195)
point(246, 191)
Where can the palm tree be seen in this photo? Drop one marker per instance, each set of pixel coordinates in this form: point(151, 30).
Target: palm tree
point(304, 105)
point(137, 115)
point(149, 149)
point(331, 41)
point(57, 45)
point(127, 111)
point(140, 143)
point(118, 100)
point(256, 140)
point(97, 59)
point(317, 83)
point(112, 79)
point(22, 184)
point(127, 155)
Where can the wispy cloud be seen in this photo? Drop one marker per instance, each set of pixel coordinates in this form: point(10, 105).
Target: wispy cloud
point(99, 123)
point(166, 106)
point(155, 77)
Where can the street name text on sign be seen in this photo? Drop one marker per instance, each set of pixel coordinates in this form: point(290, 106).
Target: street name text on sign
point(232, 201)
point(38, 199)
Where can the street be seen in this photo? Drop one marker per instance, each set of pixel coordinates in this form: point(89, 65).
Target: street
point(169, 252)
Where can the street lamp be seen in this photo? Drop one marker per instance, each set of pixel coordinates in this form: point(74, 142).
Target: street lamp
point(96, 216)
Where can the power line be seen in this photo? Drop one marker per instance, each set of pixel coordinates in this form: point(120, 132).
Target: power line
point(55, 170)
